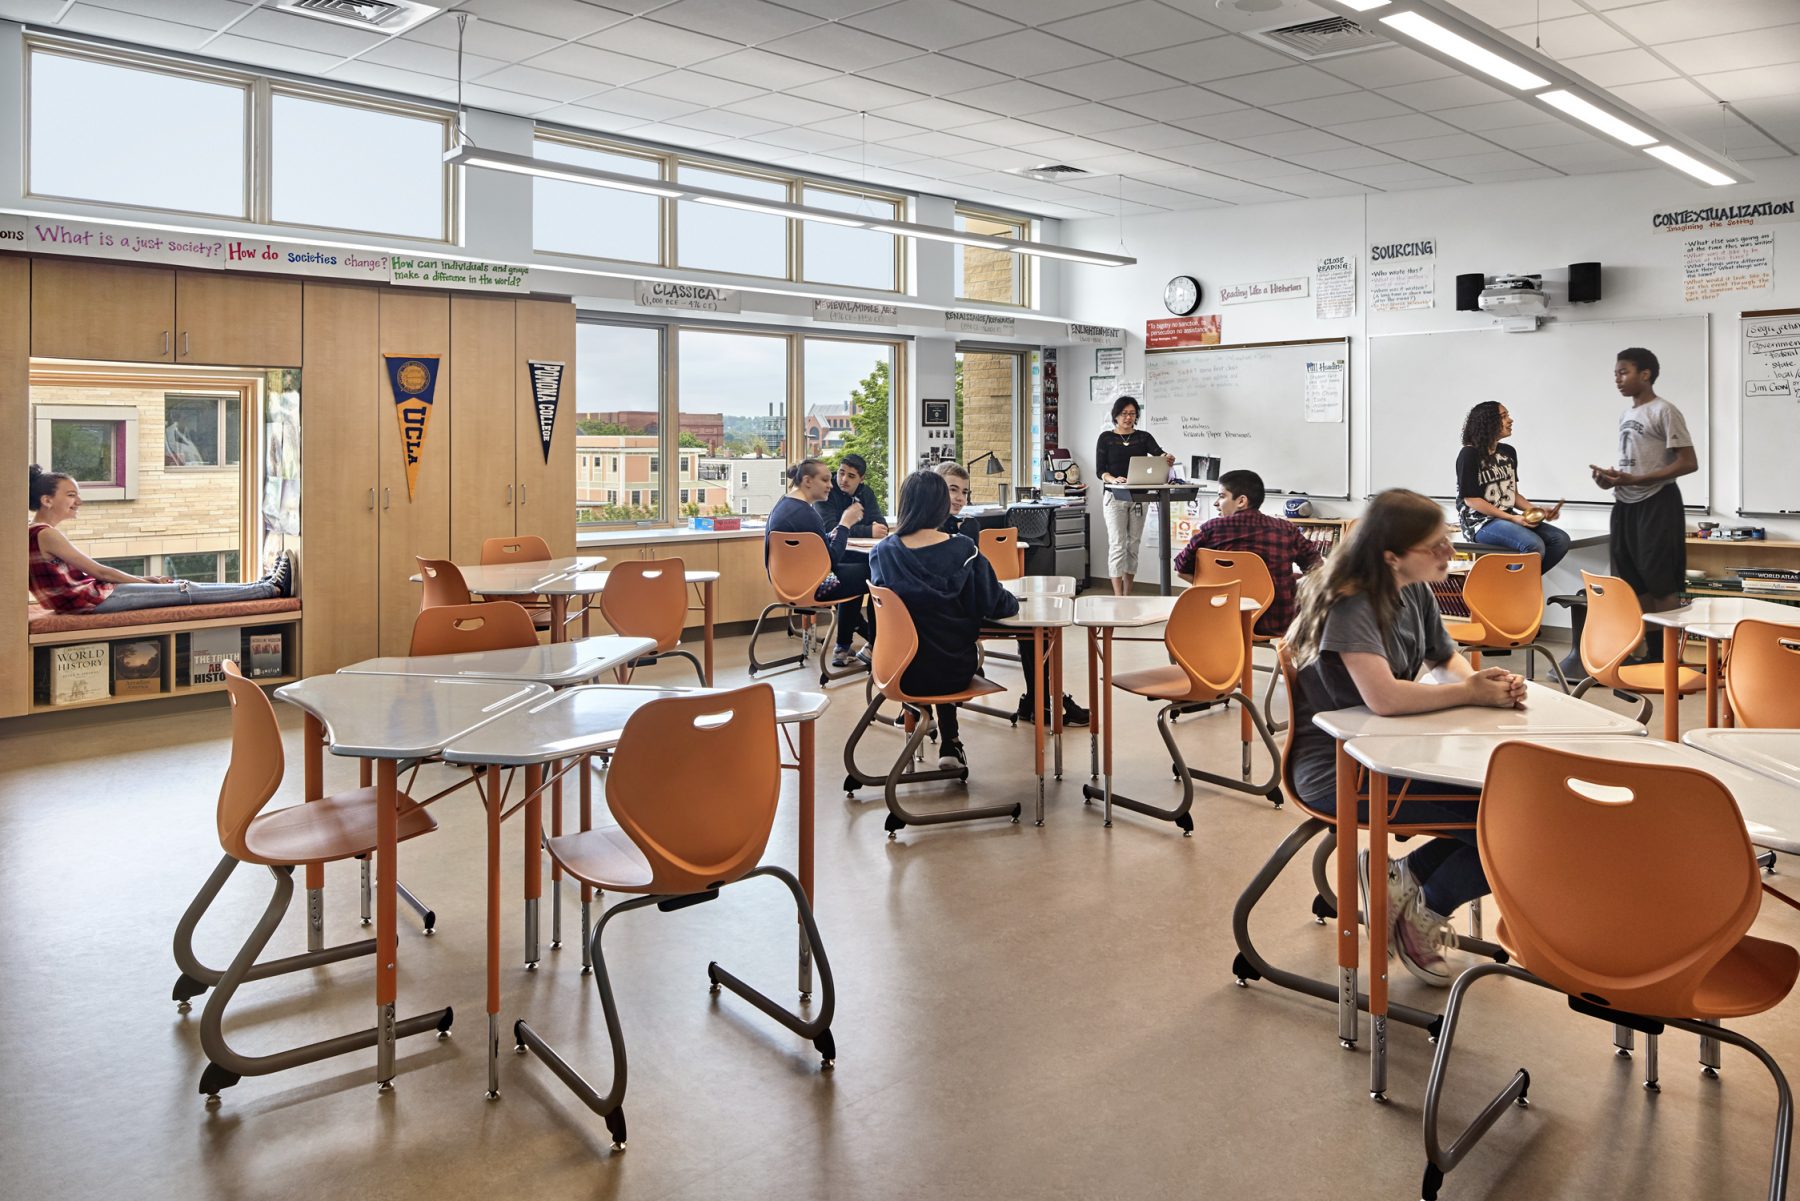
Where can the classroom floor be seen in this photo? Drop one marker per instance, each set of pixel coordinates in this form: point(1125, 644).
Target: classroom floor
point(1022, 1012)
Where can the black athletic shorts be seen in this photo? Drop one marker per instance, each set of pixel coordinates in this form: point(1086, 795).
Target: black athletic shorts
point(1649, 548)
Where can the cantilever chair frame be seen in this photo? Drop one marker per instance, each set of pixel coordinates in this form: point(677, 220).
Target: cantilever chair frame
point(799, 605)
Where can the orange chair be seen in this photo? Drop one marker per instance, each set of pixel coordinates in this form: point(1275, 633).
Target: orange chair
point(798, 563)
point(441, 583)
point(1505, 596)
point(1762, 677)
point(333, 828)
point(894, 652)
point(524, 548)
point(649, 599)
point(1000, 547)
point(1205, 638)
point(1251, 574)
point(1615, 626)
point(463, 629)
point(1652, 936)
point(684, 833)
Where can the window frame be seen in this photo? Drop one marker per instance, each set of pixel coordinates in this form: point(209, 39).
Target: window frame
point(616, 459)
point(899, 205)
point(665, 216)
point(220, 409)
point(1027, 277)
point(124, 485)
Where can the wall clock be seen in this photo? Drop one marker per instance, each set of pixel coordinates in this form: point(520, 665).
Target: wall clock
point(1182, 295)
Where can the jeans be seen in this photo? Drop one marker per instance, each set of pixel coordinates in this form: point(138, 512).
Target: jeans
point(1545, 540)
point(852, 580)
point(127, 597)
point(1448, 869)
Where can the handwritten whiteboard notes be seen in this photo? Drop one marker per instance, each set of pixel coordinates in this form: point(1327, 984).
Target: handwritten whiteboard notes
point(1772, 356)
point(1334, 287)
point(1403, 275)
point(1713, 266)
point(1323, 399)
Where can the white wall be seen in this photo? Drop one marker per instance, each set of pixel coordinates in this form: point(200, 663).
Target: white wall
point(1530, 226)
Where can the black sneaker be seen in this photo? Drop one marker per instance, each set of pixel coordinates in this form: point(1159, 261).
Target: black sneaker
point(283, 576)
point(1023, 713)
point(951, 756)
point(1073, 714)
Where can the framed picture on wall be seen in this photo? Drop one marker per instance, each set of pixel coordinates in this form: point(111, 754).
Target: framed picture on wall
point(937, 413)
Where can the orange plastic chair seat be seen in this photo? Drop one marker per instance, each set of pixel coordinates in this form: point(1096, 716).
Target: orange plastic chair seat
point(978, 687)
point(1162, 684)
point(1752, 978)
point(605, 858)
point(1468, 633)
point(1648, 677)
point(324, 831)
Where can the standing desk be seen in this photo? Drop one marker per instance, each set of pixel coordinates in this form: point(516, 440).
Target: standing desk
point(1159, 495)
point(388, 719)
point(1713, 619)
point(591, 583)
point(1046, 616)
point(576, 723)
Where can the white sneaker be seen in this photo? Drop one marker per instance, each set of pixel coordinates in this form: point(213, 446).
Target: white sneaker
point(1420, 936)
point(1401, 886)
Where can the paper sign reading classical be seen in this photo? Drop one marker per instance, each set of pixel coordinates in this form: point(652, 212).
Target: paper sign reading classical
point(1268, 289)
point(1403, 275)
point(856, 312)
point(979, 323)
point(1096, 335)
point(461, 274)
point(414, 378)
point(1171, 332)
point(656, 294)
point(1721, 216)
point(1334, 287)
point(546, 393)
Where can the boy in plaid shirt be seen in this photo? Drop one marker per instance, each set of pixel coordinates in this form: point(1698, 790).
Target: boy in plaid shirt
point(1242, 526)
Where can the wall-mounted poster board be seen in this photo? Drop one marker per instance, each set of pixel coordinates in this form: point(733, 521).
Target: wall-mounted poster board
point(1279, 408)
point(1555, 381)
point(1769, 411)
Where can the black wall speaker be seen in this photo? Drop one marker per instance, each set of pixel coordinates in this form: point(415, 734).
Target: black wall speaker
point(1468, 292)
point(1584, 283)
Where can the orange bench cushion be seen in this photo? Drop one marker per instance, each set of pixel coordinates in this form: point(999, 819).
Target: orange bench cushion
point(43, 621)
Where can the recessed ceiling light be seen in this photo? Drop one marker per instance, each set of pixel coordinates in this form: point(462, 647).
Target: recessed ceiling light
point(1363, 6)
point(1460, 48)
point(1596, 116)
point(1693, 166)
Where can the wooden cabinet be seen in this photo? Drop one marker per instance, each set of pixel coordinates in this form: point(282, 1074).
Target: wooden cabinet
point(89, 310)
point(480, 434)
point(743, 587)
point(15, 438)
point(225, 320)
point(419, 524)
point(545, 332)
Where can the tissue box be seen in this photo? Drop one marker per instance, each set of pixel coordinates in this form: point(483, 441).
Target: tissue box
point(715, 523)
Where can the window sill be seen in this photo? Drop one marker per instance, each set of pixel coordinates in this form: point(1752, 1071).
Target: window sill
point(601, 538)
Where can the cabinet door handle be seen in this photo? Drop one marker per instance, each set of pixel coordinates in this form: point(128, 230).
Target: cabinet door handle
point(165, 349)
point(371, 500)
point(184, 344)
point(509, 489)
point(521, 496)
point(387, 497)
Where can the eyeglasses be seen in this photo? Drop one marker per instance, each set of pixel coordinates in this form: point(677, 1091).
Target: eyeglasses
point(1441, 546)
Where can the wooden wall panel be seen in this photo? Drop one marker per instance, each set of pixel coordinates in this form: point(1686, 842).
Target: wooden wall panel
point(481, 433)
point(86, 310)
point(15, 449)
point(546, 331)
point(412, 322)
point(237, 320)
point(340, 406)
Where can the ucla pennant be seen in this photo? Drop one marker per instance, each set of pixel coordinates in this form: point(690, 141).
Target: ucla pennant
point(414, 377)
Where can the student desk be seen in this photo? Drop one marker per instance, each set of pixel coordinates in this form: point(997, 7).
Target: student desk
point(1160, 495)
point(388, 719)
point(512, 580)
point(592, 583)
point(1041, 585)
point(863, 546)
point(1772, 754)
point(1547, 711)
point(574, 724)
point(1712, 619)
point(1102, 616)
point(1046, 617)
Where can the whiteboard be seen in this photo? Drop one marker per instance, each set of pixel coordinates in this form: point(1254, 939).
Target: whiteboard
point(1557, 384)
point(1769, 412)
point(1248, 406)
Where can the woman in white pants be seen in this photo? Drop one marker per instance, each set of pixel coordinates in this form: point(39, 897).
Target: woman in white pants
point(1124, 519)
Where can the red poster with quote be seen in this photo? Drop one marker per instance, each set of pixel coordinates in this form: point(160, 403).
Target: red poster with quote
point(414, 379)
point(1171, 332)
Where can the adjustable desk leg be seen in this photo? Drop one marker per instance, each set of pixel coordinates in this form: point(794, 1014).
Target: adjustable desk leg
point(805, 810)
point(490, 785)
point(387, 839)
point(1348, 1021)
point(1378, 920)
point(314, 735)
point(534, 860)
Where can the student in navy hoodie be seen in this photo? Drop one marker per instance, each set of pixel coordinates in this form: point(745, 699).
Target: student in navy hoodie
point(950, 591)
point(796, 513)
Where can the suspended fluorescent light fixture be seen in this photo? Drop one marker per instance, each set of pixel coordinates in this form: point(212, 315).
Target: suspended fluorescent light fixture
point(524, 164)
point(1592, 114)
point(1682, 161)
point(1469, 53)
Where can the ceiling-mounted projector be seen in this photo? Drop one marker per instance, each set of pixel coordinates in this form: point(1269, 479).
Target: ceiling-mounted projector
point(1517, 300)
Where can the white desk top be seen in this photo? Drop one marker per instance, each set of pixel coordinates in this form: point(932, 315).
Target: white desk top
point(1546, 711)
point(1041, 585)
point(1124, 612)
point(1771, 808)
point(586, 583)
point(1773, 753)
point(1041, 610)
point(557, 664)
point(521, 579)
point(402, 717)
point(1716, 616)
point(578, 721)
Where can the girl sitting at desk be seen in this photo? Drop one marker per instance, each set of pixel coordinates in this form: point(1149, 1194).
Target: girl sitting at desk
point(64, 580)
point(1368, 624)
point(950, 591)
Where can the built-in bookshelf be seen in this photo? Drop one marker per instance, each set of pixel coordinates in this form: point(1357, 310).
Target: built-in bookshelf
point(148, 663)
point(1718, 559)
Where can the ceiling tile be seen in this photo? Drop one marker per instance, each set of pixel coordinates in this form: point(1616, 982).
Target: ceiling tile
point(1393, 129)
point(307, 33)
point(1756, 83)
point(491, 38)
point(678, 135)
point(1434, 94)
point(936, 143)
point(1124, 162)
point(1261, 169)
point(880, 156)
point(787, 110)
point(718, 120)
point(582, 117)
point(660, 43)
point(1505, 114)
point(747, 22)
point(1040, 12)
point(1513, 176)
point(1070, 150)
point(1176, 104)
point(1349, 156)
point(602, 67)
point(1620, 66)
point(1283, 145)
point(1009, 132)
point(829, 10)
point(1132, 28)
point(1679, 20)
point(935, 114)
point(1387, 68)
point(862, 127)
point(1247, 193)
point(1212, 156)
point(1393, 174)
point(1089, 118)
point(1153, 137)
point(1506, 13)
point(700, 89)
point(1003, 158)
point(1340, 110)
point(1216, 58)
point(1572, 36)
point(1275, 87)
point(1103, 80)
point(934, 75)
point(841, 48)
point(480, 95)
point(268, 54)
point(1662, 93)
point(1464, 165)
point(1025, 53)
point(1014, 98)
point(1240, 123)
point(643, 105)
point(1733, 51)
point(932, 24)
point(1320, 186)
point(811, 140)
point(1443, 146)
point(551, 18)
point(764, 70)
point(853, 92)
point(391, 79)
point(550, 85)
point(426, 59)
point(1529, 137)
point(1591, 156)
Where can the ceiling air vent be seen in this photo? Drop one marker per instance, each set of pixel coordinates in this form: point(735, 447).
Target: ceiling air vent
point(1310, 41)
point(382, 16)
point(1047, 172)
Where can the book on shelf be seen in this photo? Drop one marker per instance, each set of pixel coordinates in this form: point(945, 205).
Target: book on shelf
point(207, 652)
point(74, 673)
point(137, 667)
point(265, 650)
point(1769, 579)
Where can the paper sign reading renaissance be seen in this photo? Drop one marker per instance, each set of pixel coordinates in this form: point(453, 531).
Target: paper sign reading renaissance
point(1713, 266)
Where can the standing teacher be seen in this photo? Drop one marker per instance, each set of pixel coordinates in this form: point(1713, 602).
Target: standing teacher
point(1124, 518)
point(1648, 528)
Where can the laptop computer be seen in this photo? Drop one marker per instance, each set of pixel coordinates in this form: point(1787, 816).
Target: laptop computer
point(1147, 469)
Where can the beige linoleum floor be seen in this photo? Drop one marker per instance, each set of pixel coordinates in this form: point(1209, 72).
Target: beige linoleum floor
point(1022, 1013)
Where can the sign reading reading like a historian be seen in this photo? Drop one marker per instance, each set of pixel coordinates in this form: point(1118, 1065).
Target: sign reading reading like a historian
point(979, 323)
point(546, 392)
point(660, 294)
point(1267, 289)
point(1403, 275)
point(856, 312)
point(414, 377)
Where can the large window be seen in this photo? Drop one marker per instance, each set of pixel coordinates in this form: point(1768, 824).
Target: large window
point(160, 139)
point(202, 431)
point(993, 276)
point(987, 402)
point(618, 431)
point(845, 255)
point(600, 223)
point(717, 237)
point(848, 385)
point(732, 399)
point(369, 150)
